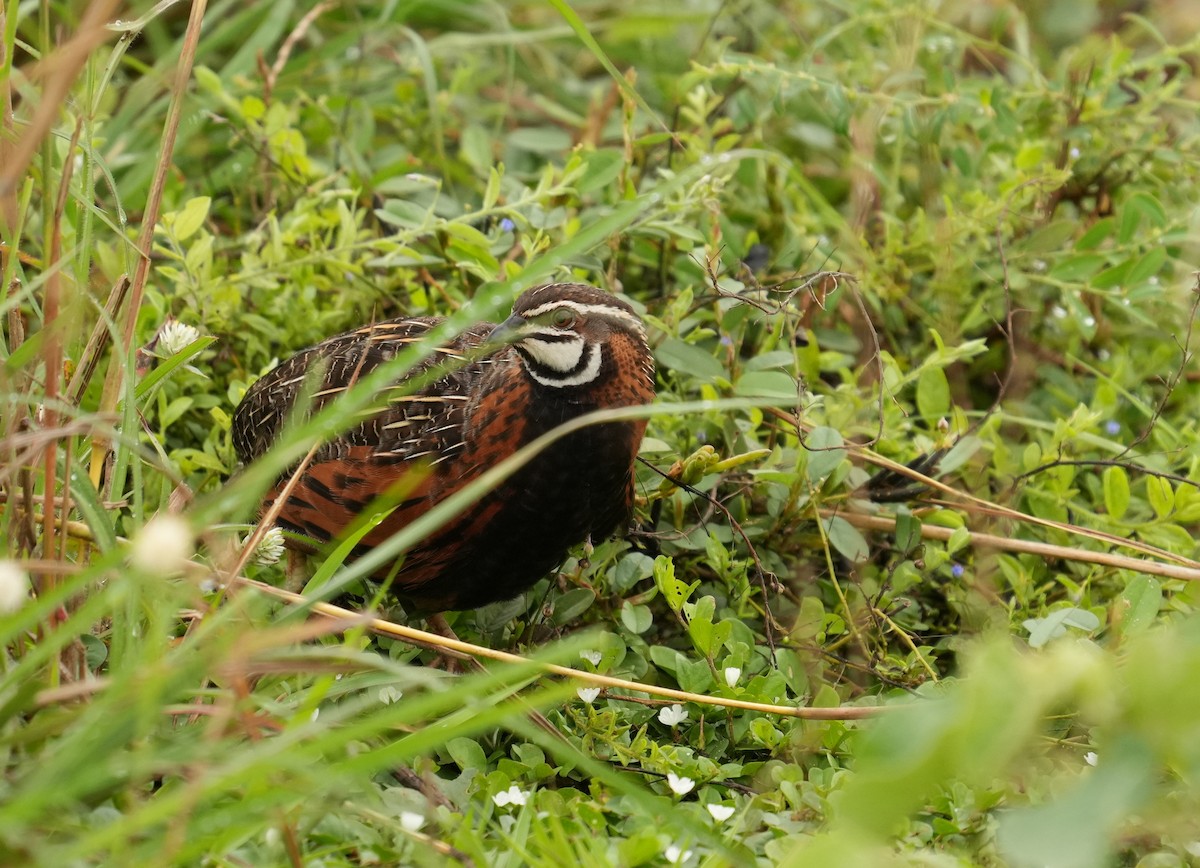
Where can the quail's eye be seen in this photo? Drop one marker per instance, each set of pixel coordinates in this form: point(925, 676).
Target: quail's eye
point(564, 317)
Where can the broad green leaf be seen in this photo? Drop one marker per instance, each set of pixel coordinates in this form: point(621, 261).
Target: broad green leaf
point(1161, 495)
point(174, 410)
point(689, 359)
point(1079, 267)
point(602, 167)
point(765, 732)
point(825, 452)
point(961, 452)
point(1139, 604)
point(1116, 491)
point(700, 624)
point(673, 590)
point(475, 145)
point(1130, 218)
point(467, 754)
point(794, 669)
point(1114, 276)
point(491, 194)
point(809, 622)
point(1030, 155)
point(188, 220)
point(767, 384)
point(95, 651)
point(1146, 267)
point(1149, 206)
point(637, 619)
point(630, 569)
point(1091, 239)
point(572, 604)
point(773, 359)
point(540, 140)
point(1052, 237)
point(908, 532)
point(933, 393)
point(1055, 624)
point(846, 538)
point(694, 676)
point(959, 539)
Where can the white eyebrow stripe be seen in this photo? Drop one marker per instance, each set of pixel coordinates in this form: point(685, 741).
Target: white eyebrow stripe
point(612, 312)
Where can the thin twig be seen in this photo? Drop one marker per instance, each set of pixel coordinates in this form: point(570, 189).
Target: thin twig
point(1021, 546)
point(1107, 462)
point(145, 243)
point(399, 631)
point(760, 571)
point(1007, 512)
point(285, 50)
point(91, 354)
point(59, 71)
point(1185, 357)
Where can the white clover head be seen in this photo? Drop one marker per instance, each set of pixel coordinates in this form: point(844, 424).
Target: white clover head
point(14, 586)
point(163, 545)
point(174, 337)
point(512, 796)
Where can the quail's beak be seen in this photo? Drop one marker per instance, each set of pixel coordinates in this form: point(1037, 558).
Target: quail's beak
point(508, 332)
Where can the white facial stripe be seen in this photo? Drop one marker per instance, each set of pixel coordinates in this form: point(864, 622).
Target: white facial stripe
point(590, 371)
point(603, 310)
point(561, 356)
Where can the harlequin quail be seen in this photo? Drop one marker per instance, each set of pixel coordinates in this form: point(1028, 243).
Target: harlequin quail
point(567, 349)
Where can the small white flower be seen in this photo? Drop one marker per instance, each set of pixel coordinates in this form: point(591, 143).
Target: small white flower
point(732, 674)
point(162, 545)
point(174, 337)
point(588, 694)
point(411, 821)
point(672, 715)
point(270, 547)
point(679, 786)
point(316, 712)
point(676, 855)
point(1090, 758)
point(271, 837)
point(14, 586)
point(1075, 153)
point(511, 796)
point(593, 657)
point(389, 694)
point(720, 813)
